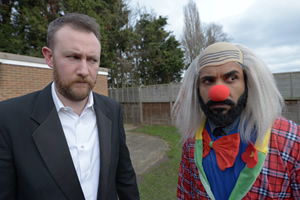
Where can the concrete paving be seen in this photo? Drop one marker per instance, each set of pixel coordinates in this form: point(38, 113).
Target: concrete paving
point(145, 150)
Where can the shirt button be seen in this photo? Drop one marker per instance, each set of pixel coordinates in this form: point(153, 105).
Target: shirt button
point(82, 146)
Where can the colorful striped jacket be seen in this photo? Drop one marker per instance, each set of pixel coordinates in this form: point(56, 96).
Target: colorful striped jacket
point(278, 171)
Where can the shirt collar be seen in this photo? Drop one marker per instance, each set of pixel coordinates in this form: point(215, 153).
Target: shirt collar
point(226, 129)
point(59, 105)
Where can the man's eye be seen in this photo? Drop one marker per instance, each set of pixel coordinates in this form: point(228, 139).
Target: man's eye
point(93, 61)
point(232, 78)
point(73, 57)
point(207, 81)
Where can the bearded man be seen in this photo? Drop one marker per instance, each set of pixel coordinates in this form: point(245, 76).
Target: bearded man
point(65, 141)
point(235, 143)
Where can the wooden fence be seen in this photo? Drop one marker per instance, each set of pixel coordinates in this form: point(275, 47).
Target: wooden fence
point(289, 87)
point(152, 104)
point(149, 105)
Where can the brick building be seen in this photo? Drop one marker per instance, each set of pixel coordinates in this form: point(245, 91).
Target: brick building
point(20, 75)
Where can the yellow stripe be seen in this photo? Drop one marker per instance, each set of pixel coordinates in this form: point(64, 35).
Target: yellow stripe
point(200, 130)
point(264, 147)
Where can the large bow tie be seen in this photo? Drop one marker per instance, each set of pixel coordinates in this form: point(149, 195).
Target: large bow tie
point(226, 148)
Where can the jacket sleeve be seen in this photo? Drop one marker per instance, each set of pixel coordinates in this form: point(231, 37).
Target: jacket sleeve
point(295, 175)
point(296, 182)
point(184, 178)
point(7, 170)
point(125, 178)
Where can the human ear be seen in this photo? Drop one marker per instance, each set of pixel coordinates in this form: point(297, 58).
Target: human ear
point(47, 52)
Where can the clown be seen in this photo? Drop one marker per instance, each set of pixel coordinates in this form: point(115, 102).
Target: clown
point(235, 143)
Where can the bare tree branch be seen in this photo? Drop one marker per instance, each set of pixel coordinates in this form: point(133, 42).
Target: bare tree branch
point(214, 33)
point(193, 37)
point(196, 36)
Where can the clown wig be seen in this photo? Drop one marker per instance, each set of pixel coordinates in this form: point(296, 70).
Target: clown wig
point(264, 102)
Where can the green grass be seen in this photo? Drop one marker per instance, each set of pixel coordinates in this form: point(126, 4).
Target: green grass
point(161, 181)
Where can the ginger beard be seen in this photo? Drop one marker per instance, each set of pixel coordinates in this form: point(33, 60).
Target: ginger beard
point(217, 116)
point(74, 89)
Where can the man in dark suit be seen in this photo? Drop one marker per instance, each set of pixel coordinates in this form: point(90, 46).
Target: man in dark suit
point(66, 142)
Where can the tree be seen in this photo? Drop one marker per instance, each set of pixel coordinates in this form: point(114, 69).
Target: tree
point(171, 62)
point(214, 33)
point(193, 36)
point(25, 25)
point(139, 52)
point(196, 36)
point(160, 59)
point(6, 30)
point(151, 54)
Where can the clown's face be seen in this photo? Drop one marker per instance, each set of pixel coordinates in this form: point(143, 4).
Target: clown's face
point(231, 75)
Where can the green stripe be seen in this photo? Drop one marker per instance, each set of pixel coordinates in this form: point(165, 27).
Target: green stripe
point(247, 178)
point(198, 160)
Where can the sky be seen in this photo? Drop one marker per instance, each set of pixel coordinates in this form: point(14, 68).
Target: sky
point(271, 28)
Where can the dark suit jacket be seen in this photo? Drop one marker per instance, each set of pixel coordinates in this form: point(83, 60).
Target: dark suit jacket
point(35, 161)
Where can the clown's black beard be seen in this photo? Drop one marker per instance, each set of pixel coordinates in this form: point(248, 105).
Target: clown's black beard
point(220, 119)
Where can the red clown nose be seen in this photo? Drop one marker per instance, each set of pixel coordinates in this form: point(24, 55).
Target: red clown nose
point(218, 93)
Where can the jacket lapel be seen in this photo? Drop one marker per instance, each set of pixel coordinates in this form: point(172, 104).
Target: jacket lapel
point(104, 130)
point(52, 145)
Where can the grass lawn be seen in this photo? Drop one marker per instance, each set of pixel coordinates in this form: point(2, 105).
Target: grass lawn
point(161, 181)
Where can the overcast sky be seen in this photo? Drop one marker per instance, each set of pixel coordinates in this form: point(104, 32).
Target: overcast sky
point(271, 28)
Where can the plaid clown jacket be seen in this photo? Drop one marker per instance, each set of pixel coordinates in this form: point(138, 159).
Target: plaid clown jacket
point(276, 176)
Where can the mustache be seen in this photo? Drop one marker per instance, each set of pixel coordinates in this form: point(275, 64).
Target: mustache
point(227, 101)
point(82, 80)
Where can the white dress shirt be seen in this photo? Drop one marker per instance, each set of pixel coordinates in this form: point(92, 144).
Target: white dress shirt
point(81, 133)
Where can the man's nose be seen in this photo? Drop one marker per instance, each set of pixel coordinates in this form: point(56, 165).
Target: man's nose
point(83, 69)
point(218, 92)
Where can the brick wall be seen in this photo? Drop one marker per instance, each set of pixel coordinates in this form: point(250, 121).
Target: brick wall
point(17, 77)
point(101, 86)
